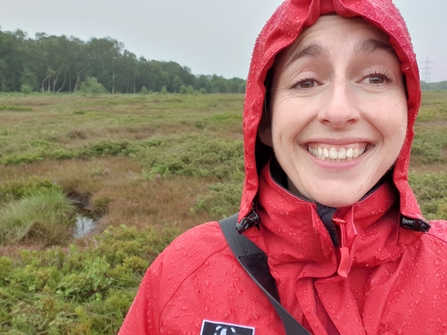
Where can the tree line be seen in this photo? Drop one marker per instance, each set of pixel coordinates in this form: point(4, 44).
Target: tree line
point(61, 64)
point(442, 85)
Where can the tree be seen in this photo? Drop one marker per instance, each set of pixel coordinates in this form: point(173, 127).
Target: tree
point(60, 64)
point(29, 79)
point(103, 55)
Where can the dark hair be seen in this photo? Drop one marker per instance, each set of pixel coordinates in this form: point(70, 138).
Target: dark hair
point(263, 152)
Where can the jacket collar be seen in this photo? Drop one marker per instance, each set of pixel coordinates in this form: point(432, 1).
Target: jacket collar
point(291, 231)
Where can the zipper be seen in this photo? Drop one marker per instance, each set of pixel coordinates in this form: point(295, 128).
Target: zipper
point(344, 264)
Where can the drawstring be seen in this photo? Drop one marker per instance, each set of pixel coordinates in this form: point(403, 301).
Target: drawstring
point(252, 219)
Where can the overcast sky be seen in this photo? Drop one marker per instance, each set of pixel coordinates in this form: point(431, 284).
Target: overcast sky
point(208, 36)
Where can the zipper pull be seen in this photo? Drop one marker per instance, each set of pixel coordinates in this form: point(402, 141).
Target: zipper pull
point(415, 224)
point(252, 219)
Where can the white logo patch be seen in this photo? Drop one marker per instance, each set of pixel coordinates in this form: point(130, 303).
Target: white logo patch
point(222, 328)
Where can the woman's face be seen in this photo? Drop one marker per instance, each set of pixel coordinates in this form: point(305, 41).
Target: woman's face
point(338, 110)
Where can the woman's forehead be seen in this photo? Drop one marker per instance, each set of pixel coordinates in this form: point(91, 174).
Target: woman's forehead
point(316, 35)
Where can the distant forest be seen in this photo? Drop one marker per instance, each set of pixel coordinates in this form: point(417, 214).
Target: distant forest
point(61, 64)
point(442, 85)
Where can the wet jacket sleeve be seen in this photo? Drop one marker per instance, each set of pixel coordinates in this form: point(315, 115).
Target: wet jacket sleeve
point(143, 315)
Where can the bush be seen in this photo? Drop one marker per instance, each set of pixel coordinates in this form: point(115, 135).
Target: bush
point(92, 86)
point(441, 212)
point(15, 108)
point(183, 89)
point(46, 216)
point(222, 199)
point(144, 90)
point(187, 89)
point(18, 189)
point(26, 89)
point(77, 290)
point(430, 190)
point(195, 156)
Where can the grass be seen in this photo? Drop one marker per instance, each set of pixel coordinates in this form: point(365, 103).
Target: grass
point(46, 216)
point(151, 166)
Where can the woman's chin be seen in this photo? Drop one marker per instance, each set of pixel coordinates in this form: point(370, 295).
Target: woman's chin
point(337, 199)
point(337, 203)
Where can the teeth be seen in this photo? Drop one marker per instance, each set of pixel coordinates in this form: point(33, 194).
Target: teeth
point(332, 154)
point(350, 153)
point(341, 153)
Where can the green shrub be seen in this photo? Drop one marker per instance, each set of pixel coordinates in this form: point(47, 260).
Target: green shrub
point(107, 148)
point(430, 190)
point(91, 282)
point(441, 212)
point(187, 89)
point(19, 188)
point(428, 145)
point(57, 152)
point(26, 89)
point(227, 117)
point(14, 108)
point(77, 290)
point(92, 86)
point(197, 156)
point(222, 199)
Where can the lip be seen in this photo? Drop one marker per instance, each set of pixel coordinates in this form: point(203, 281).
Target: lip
point(339, 141)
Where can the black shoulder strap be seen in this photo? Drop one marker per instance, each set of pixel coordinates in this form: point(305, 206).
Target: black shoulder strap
point(254, 261)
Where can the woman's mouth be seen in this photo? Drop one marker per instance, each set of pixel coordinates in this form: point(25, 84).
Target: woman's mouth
point(337, 153)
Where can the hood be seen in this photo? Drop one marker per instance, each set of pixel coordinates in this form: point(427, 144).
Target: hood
point(280, 31)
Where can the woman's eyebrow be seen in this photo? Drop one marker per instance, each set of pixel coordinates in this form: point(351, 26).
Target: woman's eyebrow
point(371, 45)
point(313, 50)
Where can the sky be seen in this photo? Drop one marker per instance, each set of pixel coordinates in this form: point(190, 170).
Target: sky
point(208, 36)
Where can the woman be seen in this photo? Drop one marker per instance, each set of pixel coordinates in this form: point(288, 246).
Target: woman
point(332, 96)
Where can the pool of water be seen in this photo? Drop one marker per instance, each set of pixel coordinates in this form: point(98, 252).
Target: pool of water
point(86, 220)
point(84, 225)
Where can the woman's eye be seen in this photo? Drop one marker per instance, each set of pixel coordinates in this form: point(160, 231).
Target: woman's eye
point(376, 79)
point(307, 83)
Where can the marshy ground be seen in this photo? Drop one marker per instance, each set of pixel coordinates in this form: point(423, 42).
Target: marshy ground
point(146, 168)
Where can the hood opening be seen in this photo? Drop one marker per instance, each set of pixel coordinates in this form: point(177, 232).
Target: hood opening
point(282, 30)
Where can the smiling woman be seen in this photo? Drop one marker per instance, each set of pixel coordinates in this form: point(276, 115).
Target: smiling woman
point(332, 96)
point(338, 110)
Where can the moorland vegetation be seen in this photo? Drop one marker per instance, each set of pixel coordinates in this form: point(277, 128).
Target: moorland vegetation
point(146, 167)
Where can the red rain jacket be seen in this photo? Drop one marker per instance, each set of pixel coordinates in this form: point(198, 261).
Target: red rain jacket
point(381, 279)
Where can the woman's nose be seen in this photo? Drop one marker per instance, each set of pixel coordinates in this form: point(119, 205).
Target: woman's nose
point(340, 107)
